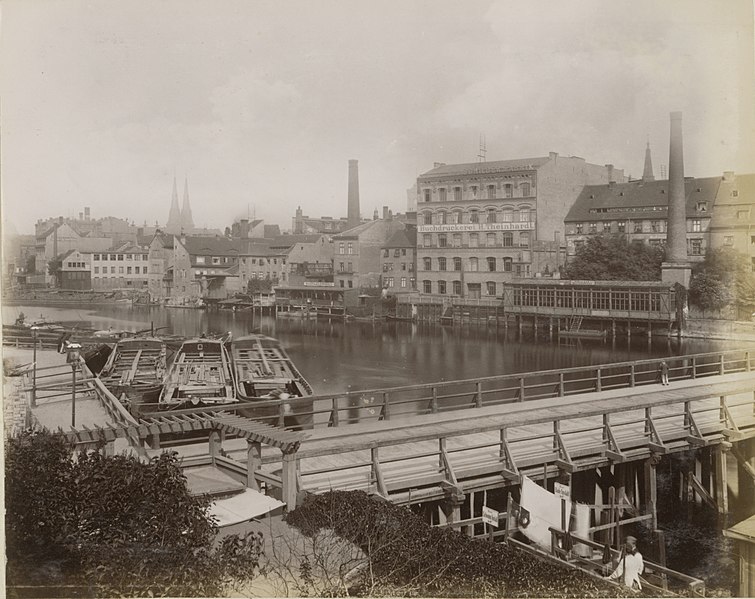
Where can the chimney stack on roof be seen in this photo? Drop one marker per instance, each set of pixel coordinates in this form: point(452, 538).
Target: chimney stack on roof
point(353, 217)
point(729, 176)
point(676, 239)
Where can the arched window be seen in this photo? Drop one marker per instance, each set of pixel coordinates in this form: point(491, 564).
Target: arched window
point(427, 218)
point(507, 262)
point(456, 218)
point(427, 286)
point(508, 239)
point(491, 263)
point(490, 285)
point(457, 263)
point(524, 215)
point(490, 240)
point(442, 217)
point(508, 215)
point(526, 190)
point(456, 287)
point(441, 264)
point(474, 216)
point(491, 215)
point(524, 239)
point(442, 194)
point(442, 287)
point(473, 263)
point(428, 263)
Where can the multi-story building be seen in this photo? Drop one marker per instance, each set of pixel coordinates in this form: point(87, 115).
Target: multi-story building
point(357, 253)
point(309, 257)
point(733, 220)
point(160, 272)
point(61, 237)
point(75, 271)
point(126, 267)
point(399, 262)
point(205, 267)
point(639, 210)
point(482, 224)
point(261, 262)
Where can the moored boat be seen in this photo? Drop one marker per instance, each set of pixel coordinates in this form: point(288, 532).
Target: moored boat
point(136, 367)
point(264, 371)
point(199, 375)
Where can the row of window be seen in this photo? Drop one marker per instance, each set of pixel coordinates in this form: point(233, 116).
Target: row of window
point(76, 264)
point(505, 239)
point(442, 287)
point(644, 301)
point(455, 193)
point(473, 264)
point(262, 261)
point(388, 266)
point(491, 215)
point(397, 253)
point(694, 246)
point(637, 226)
point(136, 270)
point(346, 248)
point(119, 257)
point(389, 281)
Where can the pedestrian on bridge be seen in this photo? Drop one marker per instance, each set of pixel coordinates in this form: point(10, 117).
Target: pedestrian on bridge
point(663, 372)
point(630, 565)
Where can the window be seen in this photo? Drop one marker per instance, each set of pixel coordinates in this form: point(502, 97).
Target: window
point(696, 247)
point(427, 263)
point(457, 263)
point(95, 257)
point(427, 286)
point(120, 270)
point(456, 240)
point(606, 227)
point(128, 270)
point(702, 206)
point(387, 266)
point(390, 281)
point(490, 240)
point(427, 240)
point(120, 257)
point(524, 215)
point(403, 253)
point(456, 285)
point(474, 191)
point(427, 218)
point(491, 192)
point(342, 267)
point(341, 282)
point(729, 240)
point(144, 270)
point(112, 270)
point(524, 239)
point(508, 190)
point(753, 264)
point(137, 269)
point(215, 260)
point(427, 195)
point(351, 284)
point(490, 287)
point(350, 266)
point(578, 228)
point(456, 217)
point(96, 270)
point(655, 226)
point(473, 264)
point(752, 239)
point(508, 215)
point(442, 240)
point(129, 257)
point(442, 287)
point(696, 226)
point(403, 281)
point(474, 240)
point(525, 190)
point(443, 218)
point(491, 215)
point(403, 266)
point(593, 228)
point(638, 226)
point(113, 257)
point(735, 194)
point(442, 194)
point(474, 216)
point(457, 193)
point(743, 214)
point(386, 252)
point(397, 253)
point(508, 239)
point(507, 263)
point(341, 250)
point(350, 248)
point(491, 264)
point(441, 264)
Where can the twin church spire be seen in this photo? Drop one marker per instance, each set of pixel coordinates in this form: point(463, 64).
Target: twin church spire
point(180, 220)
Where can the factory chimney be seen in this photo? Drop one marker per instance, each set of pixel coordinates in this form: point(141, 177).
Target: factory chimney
point(353, 218)
point(677, 268)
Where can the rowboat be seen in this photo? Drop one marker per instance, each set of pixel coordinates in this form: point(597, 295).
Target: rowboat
point(136, 368)
point(200, 375)
point(264, 371)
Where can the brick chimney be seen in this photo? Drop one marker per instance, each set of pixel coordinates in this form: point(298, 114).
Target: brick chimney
point(353, 217)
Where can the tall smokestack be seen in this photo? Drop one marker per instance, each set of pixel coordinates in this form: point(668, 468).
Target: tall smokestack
point(676, 237)
point(677, 268)
point(353, 213)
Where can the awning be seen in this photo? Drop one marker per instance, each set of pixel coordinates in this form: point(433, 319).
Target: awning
point(243, 507)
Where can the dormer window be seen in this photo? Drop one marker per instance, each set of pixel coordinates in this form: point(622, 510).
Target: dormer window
point(702, 206)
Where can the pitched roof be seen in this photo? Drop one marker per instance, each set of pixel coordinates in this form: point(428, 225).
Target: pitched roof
point(272, 231)
point(486, 167)
point(211, 246)
point(286, 241)
point(403, 239)
point(638, 199)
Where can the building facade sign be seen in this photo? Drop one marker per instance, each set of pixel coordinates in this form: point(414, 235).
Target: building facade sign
point(319, 284)
point(473, 227)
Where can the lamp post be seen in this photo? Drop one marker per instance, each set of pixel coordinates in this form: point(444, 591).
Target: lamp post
point(34, 367)
point(73, 359)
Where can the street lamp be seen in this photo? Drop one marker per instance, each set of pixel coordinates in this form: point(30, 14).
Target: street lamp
point(74, 352)
point(34, 329)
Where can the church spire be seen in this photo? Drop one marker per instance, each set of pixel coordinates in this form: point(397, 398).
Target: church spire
point(187, 222)
point(174, 217)
point(647, 173)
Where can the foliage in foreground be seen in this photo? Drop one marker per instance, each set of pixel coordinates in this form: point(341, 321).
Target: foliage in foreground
point(113, 525)
point(724, 278)
point(406, 557)
point(614, 258)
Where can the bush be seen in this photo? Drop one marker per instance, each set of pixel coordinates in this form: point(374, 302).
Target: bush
point(115, 525)
point(614, 258)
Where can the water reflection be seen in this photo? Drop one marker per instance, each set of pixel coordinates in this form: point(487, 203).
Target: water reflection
point(336, 357)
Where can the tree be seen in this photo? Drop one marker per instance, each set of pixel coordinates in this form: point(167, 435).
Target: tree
point(613, 257)
point(723, 278)
point(113, 524)
point(54, 267)
point(31, 265)
point(260, 285)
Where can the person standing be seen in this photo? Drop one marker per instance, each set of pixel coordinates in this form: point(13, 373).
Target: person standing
point(663, 372)
point(630, 565)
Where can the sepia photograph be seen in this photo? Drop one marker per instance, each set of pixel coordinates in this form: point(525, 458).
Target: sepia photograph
point(388, 298)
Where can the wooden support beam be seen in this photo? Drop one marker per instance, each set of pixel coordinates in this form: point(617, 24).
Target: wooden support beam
point(743, 462)
point(655, 444)
point(289, 480)
point(695, 437)
point(565, 462)
point(701, 491)
point(253, 463)
point(722, 487)
point(377, 473)
point(509, 470)
point(613, 452)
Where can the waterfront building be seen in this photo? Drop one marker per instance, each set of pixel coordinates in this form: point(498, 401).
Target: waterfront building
point(259, 261)
point(60, 238)
point(125, 267)
point(639, 210)
point(399, 262)
point(482, 224)
point(205, 267)
point(309, 257)
point(75, 271)
point(733, 219)
point(358, 251)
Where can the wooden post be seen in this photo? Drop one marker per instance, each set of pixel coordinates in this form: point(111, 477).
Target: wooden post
point(722, 487)
point(253, 463)
point(521, 388)
point(386, 406)
point(560, 384)
point(632, 375)
point(478, 395)
point(434, 401)
point(598, 380)
point(215, 445)
point(334, 411)
point(288, 478)
point(651, 490)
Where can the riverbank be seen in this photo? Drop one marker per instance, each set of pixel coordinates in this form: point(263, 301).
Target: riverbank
point(719, 329)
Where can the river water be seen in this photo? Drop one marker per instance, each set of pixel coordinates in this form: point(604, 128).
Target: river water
point(336, 356)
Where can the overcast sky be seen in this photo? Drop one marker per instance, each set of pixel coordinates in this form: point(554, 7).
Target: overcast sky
point(262, 104)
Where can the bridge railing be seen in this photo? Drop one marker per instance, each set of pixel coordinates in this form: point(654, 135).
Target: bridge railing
point(384, 404)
